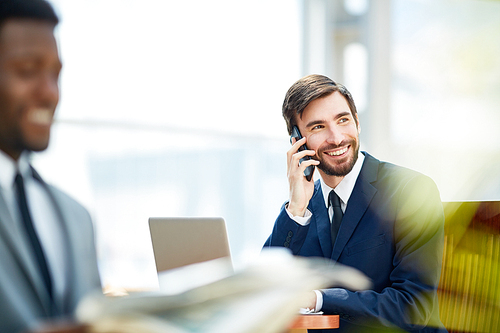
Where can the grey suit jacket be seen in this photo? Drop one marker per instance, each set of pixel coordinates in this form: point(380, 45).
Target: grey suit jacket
point(24, 302)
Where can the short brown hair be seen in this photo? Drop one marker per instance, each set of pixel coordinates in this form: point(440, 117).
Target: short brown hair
point(306, 90)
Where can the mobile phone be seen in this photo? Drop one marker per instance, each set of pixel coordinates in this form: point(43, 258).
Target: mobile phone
point(308, 172)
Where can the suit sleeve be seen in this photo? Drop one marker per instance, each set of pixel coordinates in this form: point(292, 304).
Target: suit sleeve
point(410, 301)
point(287, 233)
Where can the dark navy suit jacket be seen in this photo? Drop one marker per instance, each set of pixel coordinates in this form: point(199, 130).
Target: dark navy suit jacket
point(392, 231)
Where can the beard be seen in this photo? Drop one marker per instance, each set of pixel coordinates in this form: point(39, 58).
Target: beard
point(345, 166)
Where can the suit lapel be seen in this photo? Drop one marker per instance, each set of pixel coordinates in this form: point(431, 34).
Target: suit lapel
point(359, 201)
point(17, 240)
point(62, 215)
point(322, 220)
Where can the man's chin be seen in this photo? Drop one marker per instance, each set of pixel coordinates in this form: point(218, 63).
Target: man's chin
point(37, 146)
point(338, 170)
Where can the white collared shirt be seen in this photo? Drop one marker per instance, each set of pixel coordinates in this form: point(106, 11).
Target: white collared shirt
point(343, 190)
point(45, 217)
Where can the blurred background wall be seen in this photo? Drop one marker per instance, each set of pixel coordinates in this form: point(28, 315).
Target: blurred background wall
point(173, 108)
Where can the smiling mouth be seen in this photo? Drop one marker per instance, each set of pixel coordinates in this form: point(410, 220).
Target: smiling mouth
point(41, 117)
point(338, 152)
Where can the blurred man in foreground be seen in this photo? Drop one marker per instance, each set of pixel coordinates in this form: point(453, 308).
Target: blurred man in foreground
point(47, 252)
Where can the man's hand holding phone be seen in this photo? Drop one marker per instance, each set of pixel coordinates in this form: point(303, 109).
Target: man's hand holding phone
point(301, 189)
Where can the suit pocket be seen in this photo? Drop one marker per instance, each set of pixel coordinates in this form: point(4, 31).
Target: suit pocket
point(366, 245)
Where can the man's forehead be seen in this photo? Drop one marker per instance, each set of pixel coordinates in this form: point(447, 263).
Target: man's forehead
point(26, 35)
point(334, 103)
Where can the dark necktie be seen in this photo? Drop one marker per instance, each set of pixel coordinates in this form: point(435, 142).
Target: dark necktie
point(337, 214)
point(30, 230)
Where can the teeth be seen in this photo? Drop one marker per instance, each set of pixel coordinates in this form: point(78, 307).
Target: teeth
point(338, 152)
point(40, 116)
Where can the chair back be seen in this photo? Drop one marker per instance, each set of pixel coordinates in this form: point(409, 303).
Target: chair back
point(469, 288)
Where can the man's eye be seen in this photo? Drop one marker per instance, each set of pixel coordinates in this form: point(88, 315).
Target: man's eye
point(343, 120)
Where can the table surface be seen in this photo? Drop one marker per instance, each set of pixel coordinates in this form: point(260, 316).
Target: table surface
point(302, 322)
point(315, 322)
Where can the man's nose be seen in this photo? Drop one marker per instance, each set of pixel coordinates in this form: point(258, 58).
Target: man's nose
point(334, 136)
point(48, 89)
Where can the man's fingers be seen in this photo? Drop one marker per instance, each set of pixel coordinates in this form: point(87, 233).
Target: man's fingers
point(295, 146)
point(297, 168)
point(304, 164)
point(295, 158)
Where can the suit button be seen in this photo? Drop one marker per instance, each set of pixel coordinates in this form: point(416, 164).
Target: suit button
point(290, 233)
point(288, 239)
point(287, 244)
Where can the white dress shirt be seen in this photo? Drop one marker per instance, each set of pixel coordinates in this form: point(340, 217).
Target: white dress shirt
point(343, 190)
point(44, 215)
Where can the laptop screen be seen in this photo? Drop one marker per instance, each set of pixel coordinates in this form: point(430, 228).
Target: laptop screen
point(181, 241)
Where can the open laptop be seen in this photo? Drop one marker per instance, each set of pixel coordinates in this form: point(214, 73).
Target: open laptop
point(180, 242)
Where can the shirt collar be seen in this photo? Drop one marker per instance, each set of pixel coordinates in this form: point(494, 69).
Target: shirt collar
point(345, 187)
point(10, 167)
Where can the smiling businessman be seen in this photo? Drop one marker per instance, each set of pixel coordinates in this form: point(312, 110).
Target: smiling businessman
point(387, 221)
point(47, 253)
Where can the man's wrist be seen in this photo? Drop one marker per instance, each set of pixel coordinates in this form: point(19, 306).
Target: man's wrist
point(302, 220)
point(295, 211)
point(319, 301)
